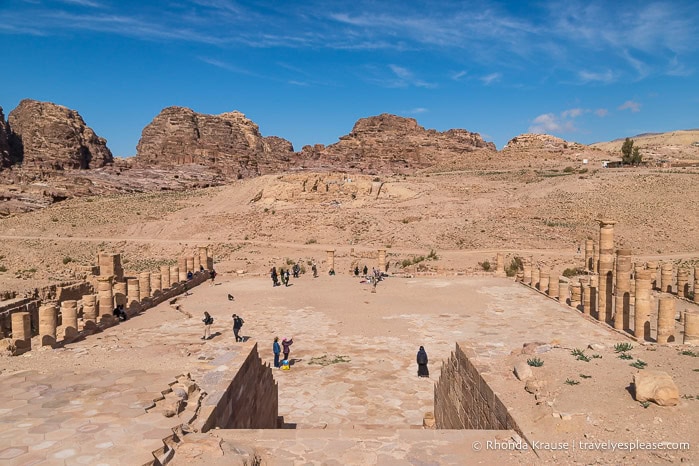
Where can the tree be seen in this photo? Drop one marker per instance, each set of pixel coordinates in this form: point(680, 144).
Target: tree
point(636, 156)
point(627, 151)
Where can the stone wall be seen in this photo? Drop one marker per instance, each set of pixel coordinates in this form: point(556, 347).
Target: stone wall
point(464, 400)
point(248, 401)
point(17, 305)
point(75, 291)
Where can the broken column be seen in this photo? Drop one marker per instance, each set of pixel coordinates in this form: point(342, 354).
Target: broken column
point(544, 277)
point(69, 318)
point(182, 269)
point(105, 297)
point(190, 264)
point(553, 288)
point(682, 282)
point(594, 284)
point(535, 277)
point(155, 282)
point(563, 289)
point(382, 260)
point(527, 271)
point(134, 295)
point(47, 324)
point(589, 255)
point(197, 263)
point(89, 309)
point(622, 304)
point(691, 327)
point(120, 294)
point(165, 276)
point(641, 308)
point(174, 275)
point(695, 289)
point(110, 265)
point(331, 259)
point(653, 267)
point(666, 277)
point(586, 299)
point(21, 332)
point(204, 256)
point(500, 265)
point(606, 270)
point(143, 285)
point(666, 320)
point(575, 295)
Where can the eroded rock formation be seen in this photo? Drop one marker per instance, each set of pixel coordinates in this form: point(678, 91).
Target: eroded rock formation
point(5, 159)
point(229, 141)
point(54, 137)
point(393, 144)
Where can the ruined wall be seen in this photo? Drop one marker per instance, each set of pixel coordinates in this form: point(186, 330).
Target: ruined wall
point(464, 400)
point(17, 305)
point(75, 291)
point(249, 401)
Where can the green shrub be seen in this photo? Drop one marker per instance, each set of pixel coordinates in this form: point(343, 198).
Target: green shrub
point(67, 260)
point(432, 256)
point(515, 265)
point(535, 362)
point(571, 272)
point(638, 364)
point(3, 268)
point(568, 170)
point(311, 241)
point(623, 347)
point(485, 265)
point(572, 382)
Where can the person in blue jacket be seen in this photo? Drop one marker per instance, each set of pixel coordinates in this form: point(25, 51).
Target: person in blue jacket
point(276, 347)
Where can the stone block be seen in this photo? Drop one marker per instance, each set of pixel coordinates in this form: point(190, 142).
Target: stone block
point(656, 386)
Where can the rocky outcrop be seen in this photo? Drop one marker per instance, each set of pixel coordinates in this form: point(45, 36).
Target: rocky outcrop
point(393, 144)
point(540, 142)
point(5, 159)
point(230, 142)
point(54, 137)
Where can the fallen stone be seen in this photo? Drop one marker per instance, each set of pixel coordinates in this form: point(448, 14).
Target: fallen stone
point(523, 371)
point(534, 386)
point(531, 347)
point(596, 346)
point(656, 386)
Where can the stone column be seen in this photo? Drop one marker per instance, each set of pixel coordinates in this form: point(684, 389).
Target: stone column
point(204, 256)
point(143, 285)
point(595, 260)
point(174, 275)
point(641, 308)
point(106, 297)
point(21, 331)
point(331, 259)
point(606, 273)
point(189, 260)
point(527, 271)
point(589, 255)
point(586, 299)
point(666, 320)
point(553, 288)
point(594, 285)
point(69, 317)
point(155, 282)
point(696, 285)
point(519, 276)
point(682, 280)
point(197, 263)
point(182, 268)
point(134, 295)
point(653, 267)
point(165, 277)
point(500, 265)
point(47, 324)
point(563, 289)
point(120, 294)
point(666, 277)
point(622, 304)
point(691, 327)
point(382, 260)
point(535, 277)
point(89, 309)
point(544, 278)
point(575, 295)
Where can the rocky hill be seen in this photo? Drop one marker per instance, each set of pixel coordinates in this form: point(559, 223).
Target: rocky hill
point(229, 142)
point(5, 159)
point(393, 144)
point(54, 137)
point(673, 146)
point(535, 149)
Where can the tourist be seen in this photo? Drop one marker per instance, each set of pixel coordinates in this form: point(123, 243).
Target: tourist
point(315, 271)
point(356, 270)
point(190, 275)
point(366, 270)
point(331, 272)
point(285, 345)
point(422, 370)
point(286, 278)
point(273, 276)
point(297, 270)
point(276, 349)
point(201, 268)
point(212, 276)
point(237, 325)
point(120, 313)
point(208, 320)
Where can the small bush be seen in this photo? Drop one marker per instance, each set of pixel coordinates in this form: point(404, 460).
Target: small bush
point(568, 170)
point(3, 268)
point(571, 272)
point(689, 353)
point(572, 382)
point(645, 404)
point(432, 256)
point(515, 265)
point(67, 260)
point(583, 376)
point(406, 263)
point(535, 362)
point(311, 241)
point(625, 356)
point(623, 347)
point(485, 265)
point(638, 364)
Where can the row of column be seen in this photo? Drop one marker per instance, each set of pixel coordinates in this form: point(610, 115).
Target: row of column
point(330, 259)
point(98, 307)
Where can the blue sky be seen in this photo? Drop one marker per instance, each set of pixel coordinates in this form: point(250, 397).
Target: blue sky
point(307, 70)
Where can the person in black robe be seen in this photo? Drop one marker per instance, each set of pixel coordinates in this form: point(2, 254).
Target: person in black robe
point(422, 370)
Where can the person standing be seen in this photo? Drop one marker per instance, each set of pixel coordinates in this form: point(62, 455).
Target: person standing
point(286, 278)
point(208, 320)
point(285, 346)
point(276, 348)
point(422, 370)
point(273, 275)
point(237, 325)
point(315, 271)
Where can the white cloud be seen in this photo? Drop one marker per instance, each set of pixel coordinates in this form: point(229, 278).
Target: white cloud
point(417, 110)
point(87, 3)
point(550, 123)
point(601, 112)
point(491, 78)
point(407, 78)
point(634, 107)
point(458, 75)
point(573, 113)
point(603, 77)
point(678, 69)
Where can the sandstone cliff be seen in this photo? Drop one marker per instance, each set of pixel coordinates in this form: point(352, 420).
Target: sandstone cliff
point(392, 144)
point(5, 159)
point(51, 136)
point(230, 142)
